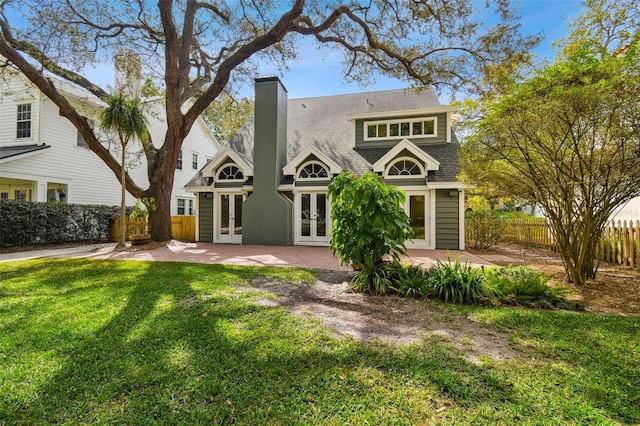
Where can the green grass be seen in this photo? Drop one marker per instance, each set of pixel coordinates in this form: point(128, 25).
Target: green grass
point(137, 343)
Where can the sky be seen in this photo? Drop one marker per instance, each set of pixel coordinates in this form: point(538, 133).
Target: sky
point(318, 73)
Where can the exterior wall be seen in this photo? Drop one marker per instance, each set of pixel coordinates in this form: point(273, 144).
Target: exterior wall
point(205, 217)
point(447, 219)
point(65, 164)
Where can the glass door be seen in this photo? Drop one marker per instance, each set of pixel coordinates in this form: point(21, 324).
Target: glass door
point(416, 207)
point(313, 217)
point(230, 218)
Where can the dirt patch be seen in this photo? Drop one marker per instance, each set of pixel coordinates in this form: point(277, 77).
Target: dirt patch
point(389, 319)
point(615, 291)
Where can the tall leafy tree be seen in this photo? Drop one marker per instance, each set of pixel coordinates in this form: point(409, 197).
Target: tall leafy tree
point(567, 139)
point(125, 118)
point(198, 48)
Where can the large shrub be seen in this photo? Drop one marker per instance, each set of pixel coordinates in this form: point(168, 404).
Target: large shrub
point(23, 222)
point(369, 223)
point(484, 228)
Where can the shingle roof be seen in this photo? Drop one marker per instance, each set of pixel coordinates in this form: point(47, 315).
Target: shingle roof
point(323, 122)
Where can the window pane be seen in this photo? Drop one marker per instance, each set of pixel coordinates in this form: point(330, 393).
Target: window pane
point(394, 129)
point(237, 230)
point(417, 128)
point(181, 206)
point(321, 211)
point(305, 215)
point(382, 130)
point(194, 160)
point(404, 129)
point(416, 214)
point(371, 131)
point(224, 214)
point(430, 127)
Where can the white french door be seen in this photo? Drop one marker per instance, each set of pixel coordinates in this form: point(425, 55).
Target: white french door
point(312, 218)
point(229, 217)
point(417, 208)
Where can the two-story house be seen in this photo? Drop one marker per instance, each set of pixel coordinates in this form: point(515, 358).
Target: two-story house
point(44, 158)
point(269, 184)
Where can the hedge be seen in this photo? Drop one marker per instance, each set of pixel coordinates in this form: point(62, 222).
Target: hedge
point(23, 222)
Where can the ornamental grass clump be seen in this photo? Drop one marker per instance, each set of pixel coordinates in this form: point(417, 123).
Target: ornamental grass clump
point(458, 283)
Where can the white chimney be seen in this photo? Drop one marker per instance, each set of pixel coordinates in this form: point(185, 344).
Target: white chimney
point(128, 74)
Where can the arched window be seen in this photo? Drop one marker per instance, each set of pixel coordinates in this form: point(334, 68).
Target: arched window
point(313, 170)
point(230, 172)
point(405, 167)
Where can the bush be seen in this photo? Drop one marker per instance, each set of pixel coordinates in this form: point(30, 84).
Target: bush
point(458, 283)
point(24, 222)
point(369, 224)
point(484, 228)
point(409, 280)
point(522, 283)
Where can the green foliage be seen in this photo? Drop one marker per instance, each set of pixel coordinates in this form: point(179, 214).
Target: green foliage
point(226, 115)
point(369, 223)
point(483, 228)
point(25, 222)
point(410, 280)
point(372, 280)
point(458, 283)
point(523, 283)
point(138, 211)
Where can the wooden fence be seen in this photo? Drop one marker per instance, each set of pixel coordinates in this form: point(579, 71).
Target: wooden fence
point(528, 232)
point(620, 241)
point(182, 227)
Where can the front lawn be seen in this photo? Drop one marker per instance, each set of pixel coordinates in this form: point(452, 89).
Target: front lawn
point(124, 342)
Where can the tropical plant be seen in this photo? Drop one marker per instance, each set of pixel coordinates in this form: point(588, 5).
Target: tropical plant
point(458, 283)
point(369, 224)
point(126, 119)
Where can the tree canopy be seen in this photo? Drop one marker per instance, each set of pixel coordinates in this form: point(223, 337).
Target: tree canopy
point(567, 139)
point(198, 49)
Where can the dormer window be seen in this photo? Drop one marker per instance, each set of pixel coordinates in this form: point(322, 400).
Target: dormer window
point(313, 170)
point(405, 167)
point(391, 129)
point(230, 172)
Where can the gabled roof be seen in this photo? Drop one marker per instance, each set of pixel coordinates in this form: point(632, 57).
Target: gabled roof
point(427, 160)
point(326, 123)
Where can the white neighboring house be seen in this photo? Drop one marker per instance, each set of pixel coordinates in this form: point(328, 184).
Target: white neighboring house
point(630, 211)
point(44, 158)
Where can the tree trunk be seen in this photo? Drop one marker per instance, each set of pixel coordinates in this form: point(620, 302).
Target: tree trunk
point(160, 218)
point(123, 216)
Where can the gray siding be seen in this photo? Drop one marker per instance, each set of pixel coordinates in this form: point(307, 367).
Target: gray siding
point(205, 217)
point(447, 219)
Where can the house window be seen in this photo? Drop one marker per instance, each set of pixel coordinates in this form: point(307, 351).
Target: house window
point(179, 163)
point(79, 139)
point(405, 167)
point(24, 121)
point(390, 129)
point(190, 211)
point(181, 203)
point(313, 171)
point(194, 161)
point(230, 172)
point(4, 195)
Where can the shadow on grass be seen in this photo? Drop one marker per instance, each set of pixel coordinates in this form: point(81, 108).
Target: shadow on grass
point(174, 343)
